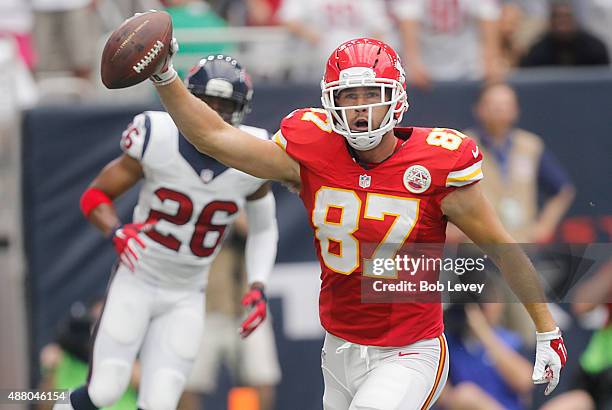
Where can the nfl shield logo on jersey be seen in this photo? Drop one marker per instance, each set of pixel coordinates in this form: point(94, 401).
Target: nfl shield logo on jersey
point(364, 181)
point(207, 175)
point(417, 179)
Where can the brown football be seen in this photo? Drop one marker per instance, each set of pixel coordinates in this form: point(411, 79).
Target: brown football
point(135, 49)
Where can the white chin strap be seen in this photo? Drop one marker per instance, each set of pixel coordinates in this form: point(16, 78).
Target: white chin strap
point(365, 143)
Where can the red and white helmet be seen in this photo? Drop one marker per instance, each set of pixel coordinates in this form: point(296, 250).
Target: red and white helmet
point(370, 63)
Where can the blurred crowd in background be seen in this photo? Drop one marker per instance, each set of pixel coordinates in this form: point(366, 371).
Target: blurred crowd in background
point(59, 41)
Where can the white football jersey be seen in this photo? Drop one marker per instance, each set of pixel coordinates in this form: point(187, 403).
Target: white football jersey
point(194, 198)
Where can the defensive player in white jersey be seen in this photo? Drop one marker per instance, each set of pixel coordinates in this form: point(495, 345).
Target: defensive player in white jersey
point(155, 301)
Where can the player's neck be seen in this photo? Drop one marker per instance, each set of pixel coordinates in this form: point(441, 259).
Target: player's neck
point(382, 151)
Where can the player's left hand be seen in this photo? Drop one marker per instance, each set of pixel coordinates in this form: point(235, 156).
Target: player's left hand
point(165, 72)
point(551, 356)
point(256, 299)
point(127, 243)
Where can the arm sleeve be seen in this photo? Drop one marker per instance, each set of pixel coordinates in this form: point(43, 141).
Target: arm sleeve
point(135, 138)
point(262, 238)
point(551, 175)
point(468, 166)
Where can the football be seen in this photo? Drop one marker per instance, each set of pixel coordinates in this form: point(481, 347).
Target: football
point(135, 49)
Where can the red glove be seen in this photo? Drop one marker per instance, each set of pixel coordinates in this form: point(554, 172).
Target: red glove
point(257, 301)
point(127, 243)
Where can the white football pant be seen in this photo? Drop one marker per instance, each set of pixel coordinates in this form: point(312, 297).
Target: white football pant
point(164, 324)
point(361, 377)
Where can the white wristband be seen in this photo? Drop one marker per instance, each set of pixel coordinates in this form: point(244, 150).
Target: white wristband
point(546, 336)
point(164, 78)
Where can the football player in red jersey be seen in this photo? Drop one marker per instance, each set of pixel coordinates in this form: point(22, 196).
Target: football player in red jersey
point(364, 181)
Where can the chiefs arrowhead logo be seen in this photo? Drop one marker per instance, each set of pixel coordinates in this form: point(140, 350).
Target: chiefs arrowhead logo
point(417, 179)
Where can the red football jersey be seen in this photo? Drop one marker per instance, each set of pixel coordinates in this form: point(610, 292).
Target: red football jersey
point(354, 210)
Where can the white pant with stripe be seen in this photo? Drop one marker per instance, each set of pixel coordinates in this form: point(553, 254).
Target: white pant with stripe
point(359, 377)
point(164, 325)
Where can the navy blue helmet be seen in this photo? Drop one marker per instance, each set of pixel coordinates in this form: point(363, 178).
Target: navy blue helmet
point(217, 78)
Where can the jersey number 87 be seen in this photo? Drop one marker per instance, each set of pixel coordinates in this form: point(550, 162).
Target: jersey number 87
point(377, 206)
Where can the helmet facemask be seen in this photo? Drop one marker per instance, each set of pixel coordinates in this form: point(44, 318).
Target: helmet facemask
point(393, 95)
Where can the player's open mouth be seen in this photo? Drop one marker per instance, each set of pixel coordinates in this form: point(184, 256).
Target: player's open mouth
point(359, 125)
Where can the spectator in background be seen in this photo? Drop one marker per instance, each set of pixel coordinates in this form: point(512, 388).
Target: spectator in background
point(519, 29)
point(16, 23)
point(65, 32)
point(252, 361)
point(487, 370)
point(566, 43)
point(192, 14)
point(18, 92)
point(597, 19)
point(262, 12)
point(537, 9)
point(263, 56)
point(532, 23)
point(449, 39)
point(520, 171)
point(64, 362)
point(509, 23)
point(247, 12)
point(518, 168)
point(320, 25)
